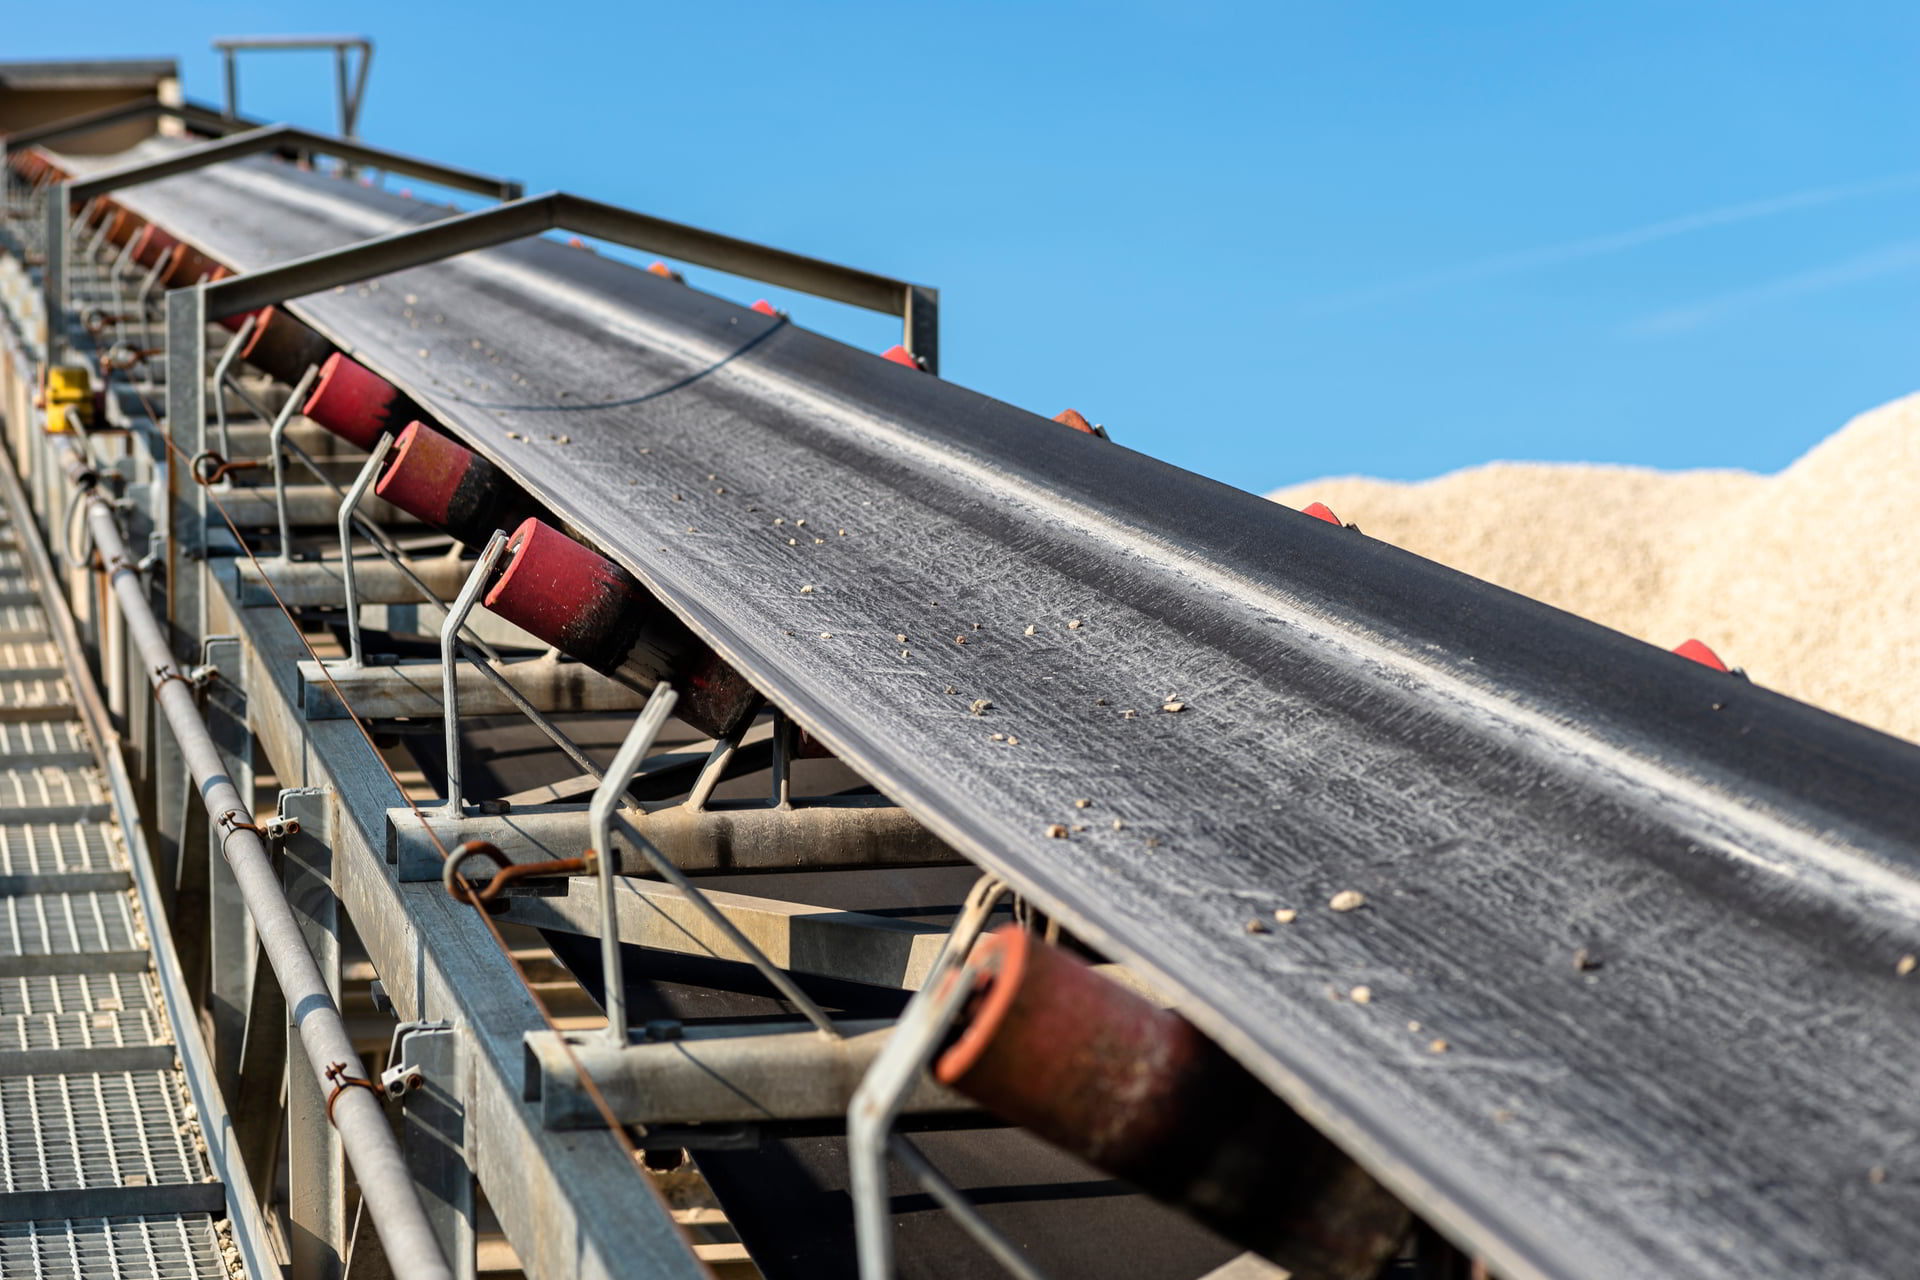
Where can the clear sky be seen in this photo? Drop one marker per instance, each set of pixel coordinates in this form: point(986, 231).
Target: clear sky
point(1264, 241)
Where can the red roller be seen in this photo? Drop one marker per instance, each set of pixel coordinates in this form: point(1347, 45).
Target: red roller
point(450, 486)
point(569, 595)
point(1320, 511)
point(587, 606)
point(188, 266)
point(283, 346)
point(765, 308)
point(123, 227)
point(900, 355)
point(423, 472)
point(150, 244)
point(1088, 1064)
point(356, 403)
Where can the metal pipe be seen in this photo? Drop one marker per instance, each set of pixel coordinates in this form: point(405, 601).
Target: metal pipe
point(830, 832)
point(234, 344)
point(356, 1112)
point(449, 666)
point(606, 799)
point(347, 504)
point(742, 1073)
point(275, 438)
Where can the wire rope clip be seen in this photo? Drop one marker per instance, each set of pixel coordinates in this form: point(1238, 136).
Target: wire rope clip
point(341, 1081)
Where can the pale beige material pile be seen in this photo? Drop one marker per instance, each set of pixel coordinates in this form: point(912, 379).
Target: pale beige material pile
point(1810, 579)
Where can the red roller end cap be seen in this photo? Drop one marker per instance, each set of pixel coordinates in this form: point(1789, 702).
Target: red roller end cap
point(351, 401)
point(900, 355)
point(665, 272)
point(1698, 652)
point(569, 596)
point(424, 472)
point(765, 308)
point(1078, 421)
point(1320, 511)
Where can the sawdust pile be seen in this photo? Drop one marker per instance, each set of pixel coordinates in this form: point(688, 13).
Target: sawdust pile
point(1810, 579)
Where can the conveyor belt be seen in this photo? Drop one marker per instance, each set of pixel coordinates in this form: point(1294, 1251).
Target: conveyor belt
point(1721, 1090)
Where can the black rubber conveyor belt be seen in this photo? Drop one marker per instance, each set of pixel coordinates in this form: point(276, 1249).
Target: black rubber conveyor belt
point(1728, 1093)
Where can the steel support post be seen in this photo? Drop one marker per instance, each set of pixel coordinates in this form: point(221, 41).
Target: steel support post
point(179, 822)
point(316, 1160)
point(435, 1133)
point(53, 272)
point(231, 948)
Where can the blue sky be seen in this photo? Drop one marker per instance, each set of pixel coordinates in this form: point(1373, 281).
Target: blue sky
point(1266, 242)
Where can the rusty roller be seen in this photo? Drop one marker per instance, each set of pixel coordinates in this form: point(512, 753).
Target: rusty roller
point(1047, 1043)
point(590, 608)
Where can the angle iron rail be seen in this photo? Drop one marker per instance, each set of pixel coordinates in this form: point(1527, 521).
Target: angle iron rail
point(189, 113)
point(917, 305)
point(75, 191)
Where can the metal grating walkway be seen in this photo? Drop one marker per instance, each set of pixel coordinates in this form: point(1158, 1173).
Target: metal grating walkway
point(52, 742)
point(103, 1170)
point(22, 622)
point(114, 1129)
point(38, 792)
point(170, 1247)
point(38, 849)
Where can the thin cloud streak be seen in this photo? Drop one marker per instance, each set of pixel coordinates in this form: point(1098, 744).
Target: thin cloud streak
point(1888, 260)
point(1615, 242)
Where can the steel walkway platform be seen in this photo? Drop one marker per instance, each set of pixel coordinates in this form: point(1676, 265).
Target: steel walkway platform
point(103, 1168)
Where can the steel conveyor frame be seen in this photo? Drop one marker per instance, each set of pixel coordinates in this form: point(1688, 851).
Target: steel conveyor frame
point(1510, 786)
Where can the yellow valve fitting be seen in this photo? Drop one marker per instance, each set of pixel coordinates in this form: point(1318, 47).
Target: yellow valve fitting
point(67, 385)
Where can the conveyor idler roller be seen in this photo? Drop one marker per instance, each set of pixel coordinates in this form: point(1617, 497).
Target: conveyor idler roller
point(1134, 1089)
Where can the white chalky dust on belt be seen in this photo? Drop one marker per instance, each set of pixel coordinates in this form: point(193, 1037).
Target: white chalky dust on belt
point(1809, 579)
